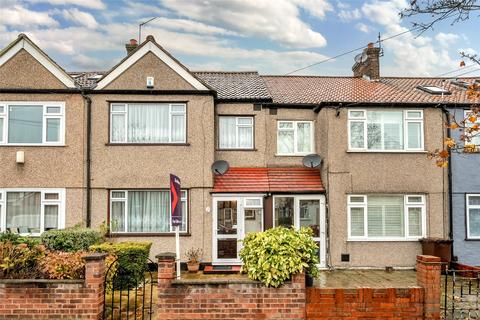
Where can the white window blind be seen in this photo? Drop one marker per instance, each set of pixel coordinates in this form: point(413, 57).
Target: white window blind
point(385, 130)
point(378, 217)
point(147, 123)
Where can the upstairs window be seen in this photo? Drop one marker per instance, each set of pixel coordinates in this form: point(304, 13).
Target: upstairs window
point(147, 123)
point(294, 137)
point(235, 132)
point(32, 123)
point(472, 137)
point(473, 216)
point(386, 217)
point(385, 130)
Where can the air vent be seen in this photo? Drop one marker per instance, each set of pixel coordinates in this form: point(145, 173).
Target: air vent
point(345, 257)
point(257, 107)
point(273, 111)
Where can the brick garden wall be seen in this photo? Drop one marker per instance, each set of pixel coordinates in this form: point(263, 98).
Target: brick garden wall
point(365, 303)
point(55, 299)
point(226, 299)
point(208, 299)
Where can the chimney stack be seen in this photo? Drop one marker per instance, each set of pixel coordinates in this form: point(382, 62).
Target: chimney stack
point(369, 63)
point(131, 46)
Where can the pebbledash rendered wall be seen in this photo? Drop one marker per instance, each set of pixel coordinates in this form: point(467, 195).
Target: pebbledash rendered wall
point(56, 299)
point(244, 299)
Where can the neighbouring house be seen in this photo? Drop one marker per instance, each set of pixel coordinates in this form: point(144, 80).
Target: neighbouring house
point(465, 192)
point(96, 147)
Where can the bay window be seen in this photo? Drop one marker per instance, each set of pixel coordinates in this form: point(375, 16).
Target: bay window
point(144, 211)
point(473, 216)
point(148, 123)
point(385, 130)
point(235, 132)
point(32, 211)
point(294, 137)
point(32, 123)
point(386, 217)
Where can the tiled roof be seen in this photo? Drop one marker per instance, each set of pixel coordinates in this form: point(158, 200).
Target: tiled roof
point(239, 85)
point(85, 79)
point(269, 180)
point(314, 90)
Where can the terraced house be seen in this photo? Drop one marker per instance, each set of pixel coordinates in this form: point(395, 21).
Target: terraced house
point(98, 147)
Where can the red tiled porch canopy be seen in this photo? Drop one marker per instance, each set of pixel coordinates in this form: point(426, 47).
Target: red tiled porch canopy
point(281, 180)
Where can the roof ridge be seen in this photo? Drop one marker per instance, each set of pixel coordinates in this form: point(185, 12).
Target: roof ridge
point(224, 71)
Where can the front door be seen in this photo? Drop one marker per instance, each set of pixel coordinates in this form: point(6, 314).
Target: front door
point(233, 218)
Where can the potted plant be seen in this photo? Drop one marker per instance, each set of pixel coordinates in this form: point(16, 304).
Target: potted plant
point(194, 255)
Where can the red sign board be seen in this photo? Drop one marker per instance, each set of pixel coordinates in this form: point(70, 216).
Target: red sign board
point(175, 201)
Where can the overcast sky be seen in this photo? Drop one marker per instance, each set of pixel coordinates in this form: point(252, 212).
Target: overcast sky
point(271, 36)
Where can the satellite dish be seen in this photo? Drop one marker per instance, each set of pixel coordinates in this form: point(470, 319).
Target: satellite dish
point(364, 56)
point(220, 167)
point(358, 58)
point(312, 161)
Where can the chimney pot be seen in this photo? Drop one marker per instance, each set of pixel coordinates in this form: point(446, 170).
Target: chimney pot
point(133, 42)
point(370, 45)
point(131, 46)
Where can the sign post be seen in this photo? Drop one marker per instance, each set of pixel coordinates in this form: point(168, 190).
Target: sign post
point(176, 210)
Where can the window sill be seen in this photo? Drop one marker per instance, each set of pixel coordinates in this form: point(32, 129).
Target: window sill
point(293, 155)
point(148, 144)
point(388, 151)
point(386, 240)
point(139, 234)
point(472, 239)
point(33, 145)
point(248, 150)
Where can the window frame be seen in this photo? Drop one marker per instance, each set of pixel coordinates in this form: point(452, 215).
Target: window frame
point(45, 116)
point(171, 113)
point(406, 205)
point(466, 112)
point(467, 214)
point(184, 198)
point(43, 202)
point(237, 126)
point(406, 120)
point(295, 137)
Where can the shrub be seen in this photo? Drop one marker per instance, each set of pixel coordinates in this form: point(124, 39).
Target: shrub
point(63, 265)
point(19, 261)
point(71, 239)
point(132, 259)
point(273, 256)
point(18, 239)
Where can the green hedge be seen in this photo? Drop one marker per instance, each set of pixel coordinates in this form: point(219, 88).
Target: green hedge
point(273, 256)
point(17, 239)
point(132, 261)
point(71, 239)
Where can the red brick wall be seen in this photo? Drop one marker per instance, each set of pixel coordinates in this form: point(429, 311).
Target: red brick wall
point(55, 299)
point(227, 299)
point(364, 303)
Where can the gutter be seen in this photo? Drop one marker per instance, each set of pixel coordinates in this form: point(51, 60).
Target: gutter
point(88, 102)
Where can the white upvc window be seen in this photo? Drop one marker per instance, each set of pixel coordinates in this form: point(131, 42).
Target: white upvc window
point(385, 130)
point(144, 211)
point(32, 123)
point(295, 137)
point(31, 211)
point(235, 132)
point(473, 216)
point(386, 217)
point(148, 123)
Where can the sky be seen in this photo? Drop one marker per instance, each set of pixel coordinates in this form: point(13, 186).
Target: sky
point(271, 36)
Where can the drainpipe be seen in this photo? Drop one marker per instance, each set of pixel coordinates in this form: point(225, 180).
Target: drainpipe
point(88, 102)
point(449, 168)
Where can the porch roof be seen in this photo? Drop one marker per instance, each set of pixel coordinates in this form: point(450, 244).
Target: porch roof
point(276, 180)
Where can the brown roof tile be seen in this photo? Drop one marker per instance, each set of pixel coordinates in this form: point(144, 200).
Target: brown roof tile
point(239, 85)
point(315, 90)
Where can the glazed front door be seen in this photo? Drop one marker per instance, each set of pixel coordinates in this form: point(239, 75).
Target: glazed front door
point(226, 230)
